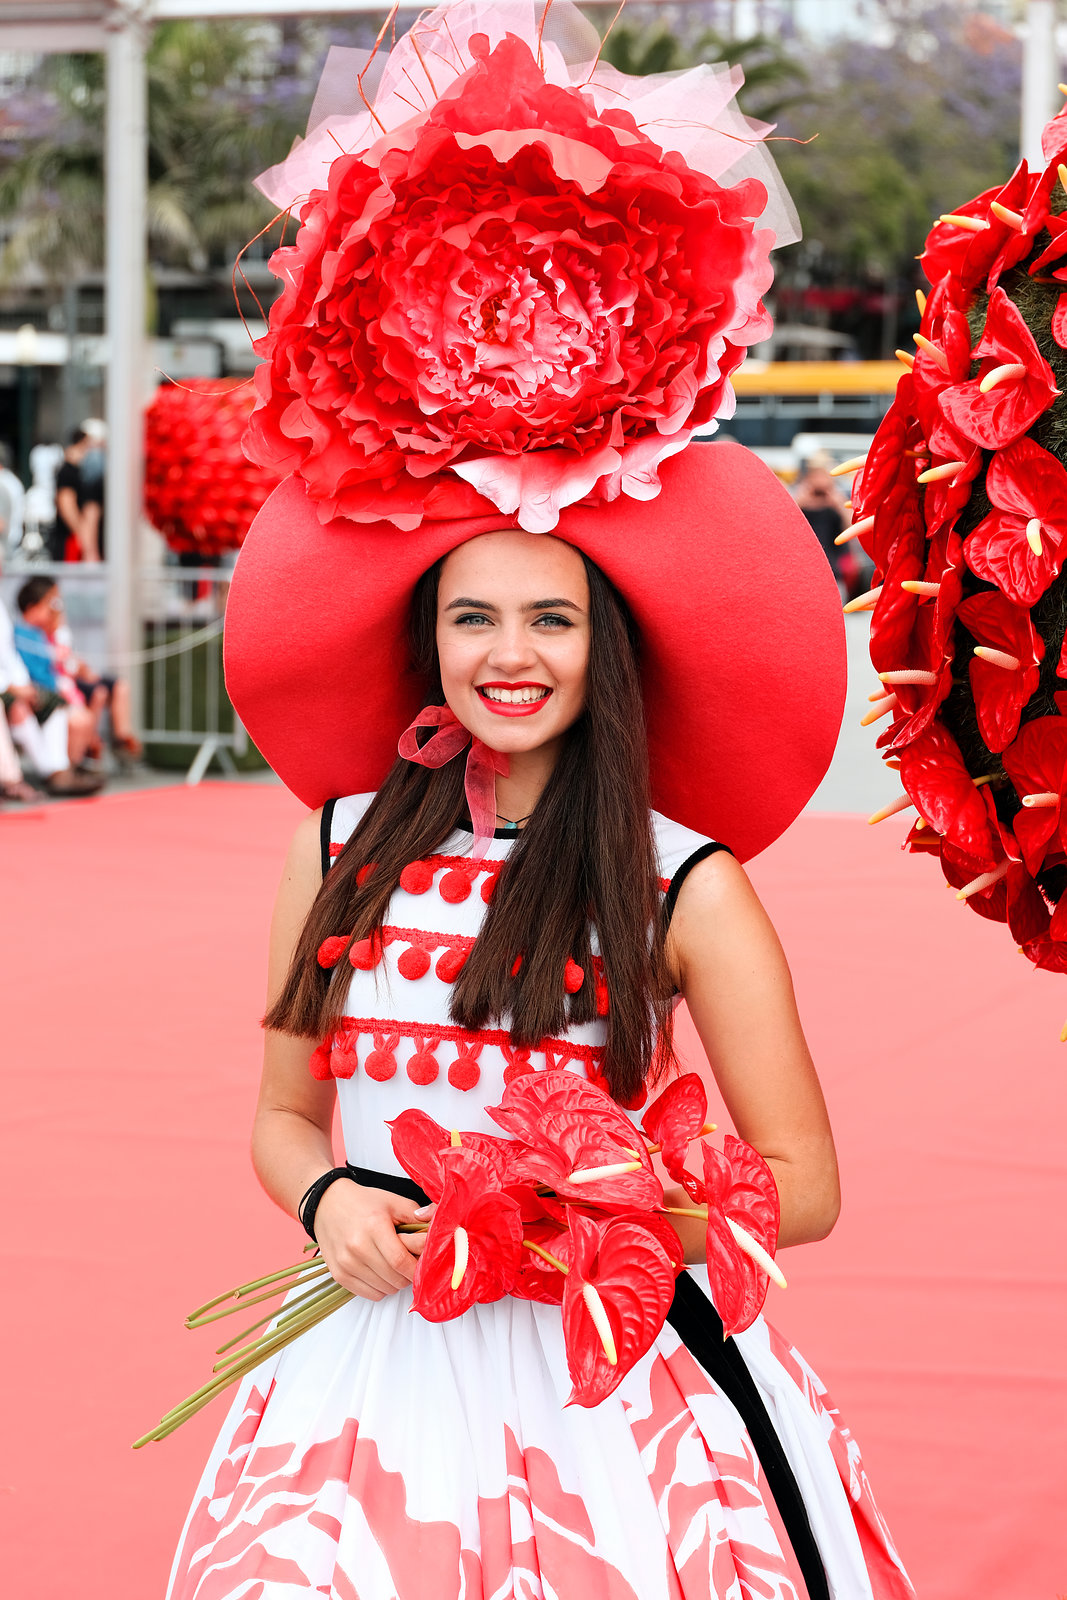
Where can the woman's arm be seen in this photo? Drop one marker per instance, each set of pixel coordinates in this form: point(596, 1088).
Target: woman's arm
point(291, 1137)
point(731, 970)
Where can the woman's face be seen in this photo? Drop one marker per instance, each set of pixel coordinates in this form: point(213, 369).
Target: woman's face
point(513, 637)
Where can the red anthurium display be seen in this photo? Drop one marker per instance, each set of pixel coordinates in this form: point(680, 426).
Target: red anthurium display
point(616, 1296)
point(743, 1210)
point(474, 1242)
point(673, 1120)
point(1003, 680)
point(1022, 544)
point(1026, 388)
point(572, 1137)
point(961, 252)
point(1037, 765)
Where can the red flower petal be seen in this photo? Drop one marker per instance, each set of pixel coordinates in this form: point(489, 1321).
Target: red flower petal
point(1023, 482)
point(673, 1121)
point(741, 1187)
point(1008, 410)
point(475, 1228)
point(631, 1277)
point(1000, 693)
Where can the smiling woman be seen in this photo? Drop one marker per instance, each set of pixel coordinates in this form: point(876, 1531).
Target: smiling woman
point(599, 684)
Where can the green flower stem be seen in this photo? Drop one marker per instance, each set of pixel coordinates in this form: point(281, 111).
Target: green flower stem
point(247, 1288)
point(239, 1338)
point(252, 1300)
point(296, 1313)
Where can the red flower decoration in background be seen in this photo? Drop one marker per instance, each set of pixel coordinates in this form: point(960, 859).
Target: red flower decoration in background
point(200, 490)
point(741, 1189)
point(525, 295)
point(474, 1241)
point(912, 633)
point(1008, 409)
point(1037, 765)
point(1027, 485)
point(1001, 687)
point(961, 253)
point(573, 1138)
point(615, 1299)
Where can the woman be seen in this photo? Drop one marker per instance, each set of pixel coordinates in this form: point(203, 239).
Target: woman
point(634, 632)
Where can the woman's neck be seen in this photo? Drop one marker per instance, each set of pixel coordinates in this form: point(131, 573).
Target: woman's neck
point(529, 770)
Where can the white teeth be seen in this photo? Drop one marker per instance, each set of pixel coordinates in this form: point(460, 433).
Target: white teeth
point(511, 697)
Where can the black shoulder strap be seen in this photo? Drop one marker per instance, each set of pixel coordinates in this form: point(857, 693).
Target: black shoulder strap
point(683, 872)
point(325, 834)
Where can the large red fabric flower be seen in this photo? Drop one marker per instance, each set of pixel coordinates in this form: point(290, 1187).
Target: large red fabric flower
point(510, 300)
point(1008, 409)
point(1001, 687)
point(1027, 486)
point(200, 490)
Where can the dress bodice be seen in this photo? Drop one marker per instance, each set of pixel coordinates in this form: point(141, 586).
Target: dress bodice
point(397, 1045)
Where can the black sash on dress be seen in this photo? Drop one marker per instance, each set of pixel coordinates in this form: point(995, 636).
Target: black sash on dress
point(699, 1326)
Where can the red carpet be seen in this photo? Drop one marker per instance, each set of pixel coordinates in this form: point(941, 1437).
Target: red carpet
point(132, 947)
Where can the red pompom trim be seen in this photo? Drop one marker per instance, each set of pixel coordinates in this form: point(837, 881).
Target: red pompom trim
point(331, 950)
point(573, 976)
point(450, 965)
point(516, 966)
point(320, 1062)
point(423, 1067)
point(488, 886)
point(364, 873)
point(343, 1063)
point(366, 953)
point(417, 877)
point(455, 886)
point(464, 1072)
point(380, 1065)
point(414, 963)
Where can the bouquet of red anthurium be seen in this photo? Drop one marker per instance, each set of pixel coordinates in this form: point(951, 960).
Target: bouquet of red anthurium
point(566, 1210)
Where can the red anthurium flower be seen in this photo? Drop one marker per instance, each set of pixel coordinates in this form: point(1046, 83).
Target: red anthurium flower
point(537, 1278)
point(1022, 544)
point(673, 1120)
point(887, 491)
point(1037, 765)
point(1055, 249)
point(1047, 946)
point(922, 840)
point(966, 255)
point(574, 1138)
point(1027, 194)
point(912, 633)
point(420, 1145)
point(1059, 322)
point(616, 1297)
point(946, 497)
point(741, 1189)
point(474, 1241)
point(933, 773)
point(1009, 408)
point(1003, 683)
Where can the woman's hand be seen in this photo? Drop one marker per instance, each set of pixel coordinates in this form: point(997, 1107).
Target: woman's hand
point(356, 1231)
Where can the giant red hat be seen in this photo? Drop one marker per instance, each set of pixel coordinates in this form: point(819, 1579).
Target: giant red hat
point(519, 287)
point(743, 641)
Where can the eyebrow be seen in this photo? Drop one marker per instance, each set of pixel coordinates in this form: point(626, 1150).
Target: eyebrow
point(464, 602)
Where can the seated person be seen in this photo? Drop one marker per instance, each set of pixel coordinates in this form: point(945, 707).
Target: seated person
point(38, 720)
point(38, 602)
point(99, 693)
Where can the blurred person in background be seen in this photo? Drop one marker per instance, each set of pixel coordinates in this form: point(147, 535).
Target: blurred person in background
point(37, 600)
point(75, 533)
point(39, 723)
point(820, 499)
point(12, 502)
point(43, 610)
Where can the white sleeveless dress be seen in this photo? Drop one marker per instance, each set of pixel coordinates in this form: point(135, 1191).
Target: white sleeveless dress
point(382, 1457)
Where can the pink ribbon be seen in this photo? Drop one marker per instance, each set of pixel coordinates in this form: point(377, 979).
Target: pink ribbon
point(483, 764)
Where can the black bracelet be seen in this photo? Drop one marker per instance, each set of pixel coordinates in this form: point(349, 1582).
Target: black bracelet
point(309, 1200)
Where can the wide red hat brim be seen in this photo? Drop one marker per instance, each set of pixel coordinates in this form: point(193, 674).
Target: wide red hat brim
point(743, 640)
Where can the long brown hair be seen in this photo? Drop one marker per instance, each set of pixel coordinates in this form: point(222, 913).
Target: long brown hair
point(586, 856)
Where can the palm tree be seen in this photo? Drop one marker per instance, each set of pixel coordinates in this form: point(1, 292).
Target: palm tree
point(215, 118)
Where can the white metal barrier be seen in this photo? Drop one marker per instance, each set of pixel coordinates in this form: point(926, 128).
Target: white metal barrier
point(179, 686)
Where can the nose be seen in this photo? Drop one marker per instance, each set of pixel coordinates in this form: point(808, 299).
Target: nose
point(513, 651)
